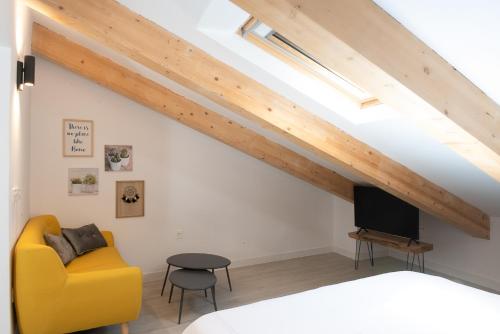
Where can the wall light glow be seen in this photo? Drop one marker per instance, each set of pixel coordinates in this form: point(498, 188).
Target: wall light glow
point(21, 17)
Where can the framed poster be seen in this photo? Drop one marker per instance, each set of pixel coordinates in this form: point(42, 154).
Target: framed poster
point(78, 138)
point(83, 181)
point(118, 158)
point(129, 199)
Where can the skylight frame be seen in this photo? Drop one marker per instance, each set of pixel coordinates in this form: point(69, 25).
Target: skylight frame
point(291, 54)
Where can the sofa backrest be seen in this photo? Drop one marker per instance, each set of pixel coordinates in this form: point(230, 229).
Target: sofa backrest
point(36, 227)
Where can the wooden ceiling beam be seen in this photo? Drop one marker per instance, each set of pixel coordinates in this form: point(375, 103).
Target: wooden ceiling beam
point(128, 33)
point(363, 43)
point(154, 96)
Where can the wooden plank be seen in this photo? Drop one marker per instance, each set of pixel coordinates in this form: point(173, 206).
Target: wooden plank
point(392, 241)
point(360, 41)
point(125, 82)
point(126, 32)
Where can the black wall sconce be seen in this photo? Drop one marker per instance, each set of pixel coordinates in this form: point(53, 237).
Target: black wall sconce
point(26, 72)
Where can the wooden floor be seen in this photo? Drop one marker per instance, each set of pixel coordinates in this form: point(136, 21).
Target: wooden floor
point(250, 284)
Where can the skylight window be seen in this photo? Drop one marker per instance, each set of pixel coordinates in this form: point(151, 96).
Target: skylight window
point(272, 42)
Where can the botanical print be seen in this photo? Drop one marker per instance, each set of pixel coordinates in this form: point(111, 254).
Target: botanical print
point(78, 138)
point(118, 158)
point(83, 181)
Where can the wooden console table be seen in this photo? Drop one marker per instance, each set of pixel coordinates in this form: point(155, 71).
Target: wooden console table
point(391, 241)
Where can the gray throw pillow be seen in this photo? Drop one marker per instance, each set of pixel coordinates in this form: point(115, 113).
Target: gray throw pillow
point(84, 239)
point(61, 246)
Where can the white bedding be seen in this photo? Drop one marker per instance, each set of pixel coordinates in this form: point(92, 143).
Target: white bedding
point(402, 302)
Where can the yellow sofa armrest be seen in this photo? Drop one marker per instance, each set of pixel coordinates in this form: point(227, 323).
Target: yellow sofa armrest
point(108, 236)
point(39, 277)
point(107, 296)
point(38, 270)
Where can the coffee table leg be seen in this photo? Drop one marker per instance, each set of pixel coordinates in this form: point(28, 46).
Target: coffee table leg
point(165, 280)
point(213, 296)
point(171, 290)
point(229, 280)
point(205, 293)
point(180, 306)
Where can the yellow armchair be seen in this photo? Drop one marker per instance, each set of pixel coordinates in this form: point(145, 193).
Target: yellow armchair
point(95, 289)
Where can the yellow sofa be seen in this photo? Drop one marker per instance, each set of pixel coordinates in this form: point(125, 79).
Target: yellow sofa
point(95, 289)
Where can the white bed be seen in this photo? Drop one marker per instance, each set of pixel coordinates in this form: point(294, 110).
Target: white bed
point(401, 302)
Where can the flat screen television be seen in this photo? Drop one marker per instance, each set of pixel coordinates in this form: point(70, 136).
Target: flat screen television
point(375, 209)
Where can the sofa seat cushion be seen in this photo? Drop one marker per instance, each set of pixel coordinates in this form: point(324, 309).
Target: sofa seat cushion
point(100, 259)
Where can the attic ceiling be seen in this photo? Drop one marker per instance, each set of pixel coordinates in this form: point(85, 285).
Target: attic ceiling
point(462, 32)
point(211, 26)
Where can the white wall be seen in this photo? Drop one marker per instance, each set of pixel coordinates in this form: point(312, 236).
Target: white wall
point(6, 41)
point(5, 92)
point(20, 128)
point(343, 213)
point(223, 200)
point(14, 145)
point(460, 255)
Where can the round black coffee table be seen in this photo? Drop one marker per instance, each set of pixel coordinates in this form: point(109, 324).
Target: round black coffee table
point(198, 261)
point(187, 279)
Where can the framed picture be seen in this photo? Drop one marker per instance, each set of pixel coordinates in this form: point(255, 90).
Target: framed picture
point(129, 199)
point(118, 158)
point(78, 138)
point(83, 181)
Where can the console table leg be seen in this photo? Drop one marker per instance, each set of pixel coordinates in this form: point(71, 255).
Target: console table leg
point(413, 248)
point(370, 254)
point(372, 257)
point(356, 255)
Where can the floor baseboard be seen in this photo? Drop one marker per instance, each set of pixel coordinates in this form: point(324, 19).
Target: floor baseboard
point(455, 274)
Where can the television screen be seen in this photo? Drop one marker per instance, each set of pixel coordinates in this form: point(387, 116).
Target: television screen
point(375, 209)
